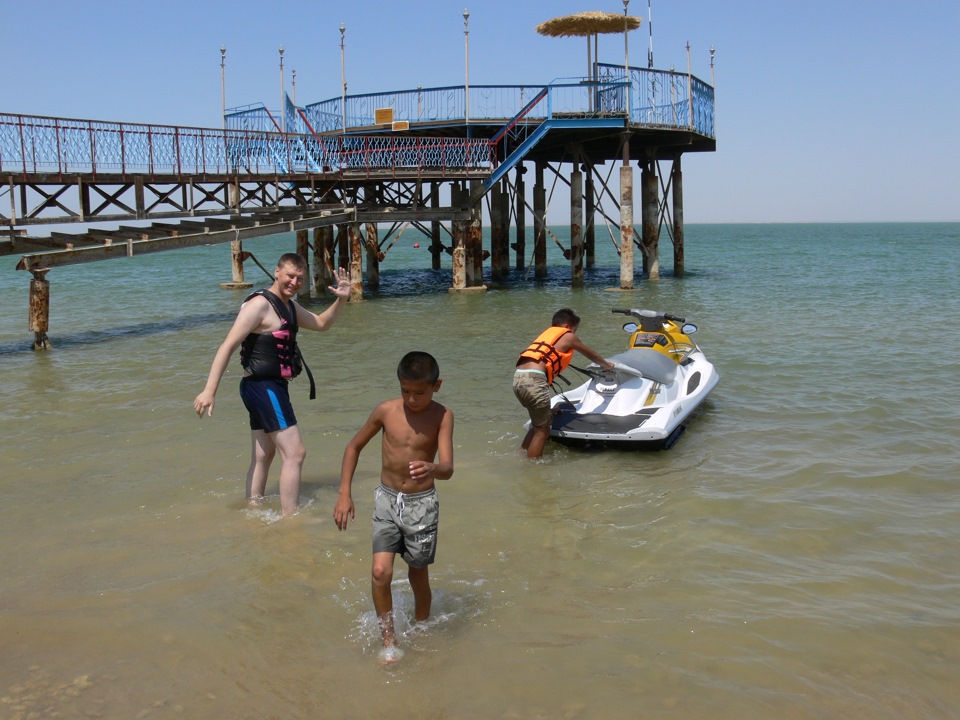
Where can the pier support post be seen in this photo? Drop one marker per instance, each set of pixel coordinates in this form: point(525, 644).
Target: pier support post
point(232, 190)
point(236, 267)
point(576, 227)
point(626, 227)
point(39, 321)
point(373, 256)
point(498, 243)
point(677, 185)
point(343, 246)
point(322, 259)
point(651, 220)
point(589, 225)
point(539, 225)
point(303, 250)
point(356, 262)
point(436, 247)
point(474, 261)
point(139, 203)
point(505, 239)
point(521, 206)
point(459, 229)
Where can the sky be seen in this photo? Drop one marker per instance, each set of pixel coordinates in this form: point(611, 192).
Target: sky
point(827, 111)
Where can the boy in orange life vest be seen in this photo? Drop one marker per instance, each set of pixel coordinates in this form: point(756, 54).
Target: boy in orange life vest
point(538, 365)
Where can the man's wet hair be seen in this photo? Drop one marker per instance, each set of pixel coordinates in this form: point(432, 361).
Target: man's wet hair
point(293, 259)
point(418, 366)
point(565, 316)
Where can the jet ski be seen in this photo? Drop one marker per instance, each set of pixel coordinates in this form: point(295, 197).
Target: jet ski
point(643, 402)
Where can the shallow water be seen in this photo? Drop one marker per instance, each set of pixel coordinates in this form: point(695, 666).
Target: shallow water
point(794, 556)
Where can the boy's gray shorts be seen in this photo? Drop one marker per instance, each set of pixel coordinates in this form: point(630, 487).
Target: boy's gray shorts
point(406, 524)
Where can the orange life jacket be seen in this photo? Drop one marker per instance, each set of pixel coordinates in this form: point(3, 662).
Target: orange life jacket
point(544, 350)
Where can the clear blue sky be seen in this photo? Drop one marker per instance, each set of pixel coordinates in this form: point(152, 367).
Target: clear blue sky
point(831, 110)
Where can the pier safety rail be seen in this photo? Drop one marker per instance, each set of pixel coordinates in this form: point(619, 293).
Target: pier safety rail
point(31, 145)
point(658, 98)
point(45, 149)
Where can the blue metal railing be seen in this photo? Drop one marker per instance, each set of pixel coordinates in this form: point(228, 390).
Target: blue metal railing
point(659, 98)
point(252, 143)
point(32, 145)
point(662, 98)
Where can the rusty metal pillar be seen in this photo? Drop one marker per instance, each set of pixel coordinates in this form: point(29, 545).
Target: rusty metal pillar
point(474, 244)
point(626, 227)
point(651, 220)
point(576, 227)
point(236, 246)
point(539, 224)
point(322, 259)
point(343, 246)
point(520, 203)
point(498, 246)
point(589, 225)
point(236, 267)
point(356, 262)
point(505, 219)
point(436, 247)
point(677, 185)
point(236, 260)
point(459, 229)
point(39, 321)
point(303, 250)
point(373, 256)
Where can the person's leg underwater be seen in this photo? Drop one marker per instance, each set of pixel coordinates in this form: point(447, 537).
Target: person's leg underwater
point(292, 455)
point(422, 595)
point(262, 449)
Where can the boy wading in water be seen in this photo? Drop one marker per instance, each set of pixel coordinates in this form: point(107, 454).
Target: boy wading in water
point(538, 366)
point(415, 431)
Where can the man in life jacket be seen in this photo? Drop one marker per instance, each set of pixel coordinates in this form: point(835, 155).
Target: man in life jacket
point(539, 365)
point(267, 327)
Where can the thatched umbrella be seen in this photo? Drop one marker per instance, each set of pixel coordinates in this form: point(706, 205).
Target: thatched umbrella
point(589, 25)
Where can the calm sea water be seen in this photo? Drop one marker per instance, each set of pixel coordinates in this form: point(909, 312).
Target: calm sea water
point(793, 556)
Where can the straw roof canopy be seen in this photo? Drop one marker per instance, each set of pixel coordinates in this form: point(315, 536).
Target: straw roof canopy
point(587, 24)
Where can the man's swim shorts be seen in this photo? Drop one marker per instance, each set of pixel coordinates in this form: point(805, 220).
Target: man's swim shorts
point(268, 402)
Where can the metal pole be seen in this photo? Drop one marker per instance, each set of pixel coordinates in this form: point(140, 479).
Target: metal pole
point(283, 96)
point(294, 87)
point(466, 50)
point(650, 28)
point(626, 60)
point(713, 51)
point(223, 86)
point(689, 85)
point(343, 79)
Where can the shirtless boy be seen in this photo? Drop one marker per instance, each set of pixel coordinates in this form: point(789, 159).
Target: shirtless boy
point(416, 430)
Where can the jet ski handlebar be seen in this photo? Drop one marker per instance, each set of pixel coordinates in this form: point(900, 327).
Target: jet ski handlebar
point(640, 314)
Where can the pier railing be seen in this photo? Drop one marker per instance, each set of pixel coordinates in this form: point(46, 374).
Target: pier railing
point(32, 145)
point(662, 98)
point(657, 98)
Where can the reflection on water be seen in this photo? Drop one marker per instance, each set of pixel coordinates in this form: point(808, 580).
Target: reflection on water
point(791, 557)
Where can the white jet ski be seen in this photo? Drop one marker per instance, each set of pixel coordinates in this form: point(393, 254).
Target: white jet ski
point(643, 402)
